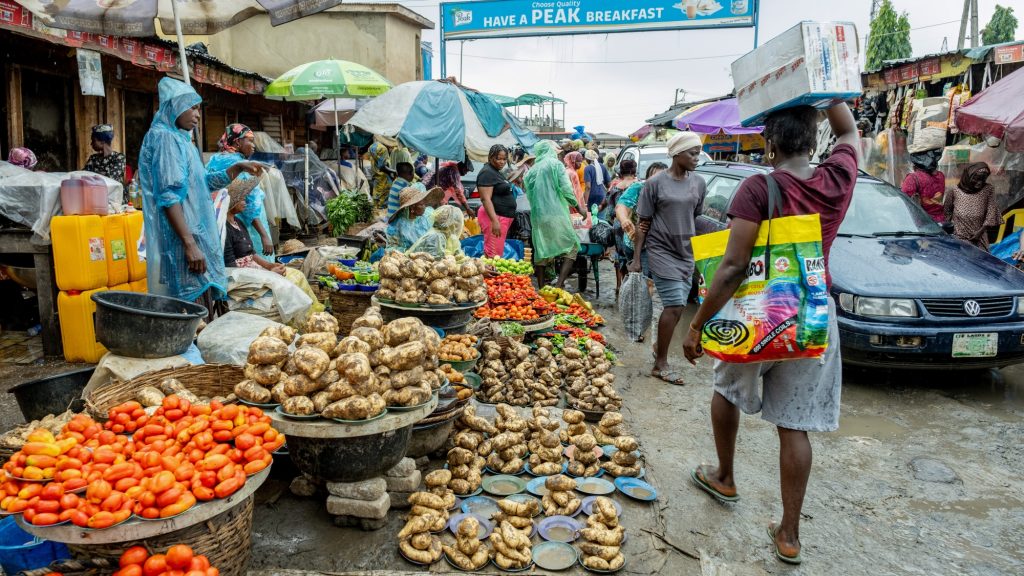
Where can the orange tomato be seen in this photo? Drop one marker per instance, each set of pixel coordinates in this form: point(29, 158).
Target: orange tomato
point(133, 555)
point(179, 557)
point(155, 565)
point(130, 570)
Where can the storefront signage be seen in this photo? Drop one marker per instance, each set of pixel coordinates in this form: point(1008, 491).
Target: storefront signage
point(505, 18)
point(139, 52)
point(929, 67)
point(1009, 54)
point(90, 73)
point(13, 14)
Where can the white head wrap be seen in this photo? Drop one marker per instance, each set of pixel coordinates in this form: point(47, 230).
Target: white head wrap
point(682, 142)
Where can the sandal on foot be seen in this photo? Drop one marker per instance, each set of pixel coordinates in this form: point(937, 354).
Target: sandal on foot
point(700, 478)
point(794, 559)
point(670, 375)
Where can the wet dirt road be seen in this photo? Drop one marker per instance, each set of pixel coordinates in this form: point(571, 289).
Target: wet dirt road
point(922, 478)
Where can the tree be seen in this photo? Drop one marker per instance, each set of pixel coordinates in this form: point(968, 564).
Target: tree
point(889, 38)
point(1001, 28)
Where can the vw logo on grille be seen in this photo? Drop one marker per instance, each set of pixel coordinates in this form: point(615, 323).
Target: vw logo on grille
point(972, 308)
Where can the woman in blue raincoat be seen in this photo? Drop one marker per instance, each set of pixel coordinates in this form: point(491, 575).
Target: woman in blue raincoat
point(551, 194)
point(184, 254)
point(237, 144)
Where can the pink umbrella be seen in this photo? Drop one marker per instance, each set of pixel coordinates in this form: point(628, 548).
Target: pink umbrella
point(715, 117)
point(996, 111)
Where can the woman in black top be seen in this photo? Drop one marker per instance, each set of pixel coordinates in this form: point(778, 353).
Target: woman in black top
point(105, 161)
point(238, 249)
point(498, 208)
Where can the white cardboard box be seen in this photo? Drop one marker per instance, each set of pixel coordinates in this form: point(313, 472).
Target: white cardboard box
point(813, 63)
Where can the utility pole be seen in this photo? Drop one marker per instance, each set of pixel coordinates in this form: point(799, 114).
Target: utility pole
point(963, 25)
point(970, 13)
point(975, 40)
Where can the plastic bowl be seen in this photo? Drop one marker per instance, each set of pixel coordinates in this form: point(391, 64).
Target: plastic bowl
point(346, 262)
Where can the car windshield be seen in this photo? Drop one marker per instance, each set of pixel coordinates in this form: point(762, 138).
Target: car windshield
point(878, 209)
point(648, 158)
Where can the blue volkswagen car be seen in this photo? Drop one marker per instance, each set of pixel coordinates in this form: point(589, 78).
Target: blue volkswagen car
point(909, 295)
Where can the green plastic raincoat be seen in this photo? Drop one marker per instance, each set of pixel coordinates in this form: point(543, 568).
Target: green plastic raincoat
point(550, 195)
point(443, 238)
point(171, 172)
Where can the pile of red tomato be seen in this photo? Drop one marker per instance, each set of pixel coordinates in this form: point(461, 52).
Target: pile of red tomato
point(513, 297)
point(179, 560)
point(180, 455)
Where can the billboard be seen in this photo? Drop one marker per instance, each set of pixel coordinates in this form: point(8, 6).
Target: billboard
point(507, 18)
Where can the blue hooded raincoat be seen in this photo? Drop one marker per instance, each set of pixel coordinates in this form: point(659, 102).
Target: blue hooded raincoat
point(253, 201)
point(171, 172)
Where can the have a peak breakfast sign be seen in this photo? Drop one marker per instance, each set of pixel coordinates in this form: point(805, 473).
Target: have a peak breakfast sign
point(506, 18)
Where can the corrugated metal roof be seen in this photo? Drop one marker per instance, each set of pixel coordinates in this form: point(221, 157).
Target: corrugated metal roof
point(978, 53)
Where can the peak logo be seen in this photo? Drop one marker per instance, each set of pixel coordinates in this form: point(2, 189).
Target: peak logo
point(462, 17)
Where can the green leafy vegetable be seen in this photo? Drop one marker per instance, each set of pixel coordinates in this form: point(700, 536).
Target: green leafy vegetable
point(348, 208)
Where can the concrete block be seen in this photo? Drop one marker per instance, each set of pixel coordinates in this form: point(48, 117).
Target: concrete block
point(402, 469)
point(405, 484)
point(400, 500)
point(373, 509)
point(366, 490)
point(303, 486)
point(367, 524)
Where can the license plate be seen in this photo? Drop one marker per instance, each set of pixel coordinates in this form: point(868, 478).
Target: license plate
point(982, 345)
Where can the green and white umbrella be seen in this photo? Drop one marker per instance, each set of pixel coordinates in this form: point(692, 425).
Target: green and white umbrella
point(327, 79)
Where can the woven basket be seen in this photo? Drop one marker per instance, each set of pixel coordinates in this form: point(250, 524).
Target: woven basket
point(347, 306)
point(202, 380)
point(225, 539)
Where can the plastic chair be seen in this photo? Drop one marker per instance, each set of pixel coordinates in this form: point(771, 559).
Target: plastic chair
point(589, 258)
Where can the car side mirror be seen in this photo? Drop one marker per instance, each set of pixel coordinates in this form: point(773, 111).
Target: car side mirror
point(947, 227)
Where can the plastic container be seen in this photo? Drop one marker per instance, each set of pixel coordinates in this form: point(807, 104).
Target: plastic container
point(77, 329)
point(94, 197)
point(21, 551)
point(140, 286)
point(72, 196)
point(132, 235)
point(79, 254)
point(169, 324)
point(116, 245)
point(126, 287)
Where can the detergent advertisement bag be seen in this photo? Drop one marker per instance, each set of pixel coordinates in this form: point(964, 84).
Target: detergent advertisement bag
point(780, 312)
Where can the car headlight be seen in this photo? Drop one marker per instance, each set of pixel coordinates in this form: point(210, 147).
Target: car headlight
point(898, 307)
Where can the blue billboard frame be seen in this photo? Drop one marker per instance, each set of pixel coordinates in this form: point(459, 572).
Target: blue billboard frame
point(513, 22)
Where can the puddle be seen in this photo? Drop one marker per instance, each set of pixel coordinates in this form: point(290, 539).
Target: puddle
point(872, 426)
point(978, 508)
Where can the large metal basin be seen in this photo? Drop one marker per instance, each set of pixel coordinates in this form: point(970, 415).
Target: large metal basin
point(428, 439)
point(349, 459)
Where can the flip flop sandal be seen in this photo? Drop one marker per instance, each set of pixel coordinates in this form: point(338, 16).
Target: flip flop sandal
point(698, 477)
point(794, 560)
point(671, 376)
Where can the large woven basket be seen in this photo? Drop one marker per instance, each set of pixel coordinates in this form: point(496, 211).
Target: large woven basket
point(225, 539)
point(202, 380)
point(347, 306)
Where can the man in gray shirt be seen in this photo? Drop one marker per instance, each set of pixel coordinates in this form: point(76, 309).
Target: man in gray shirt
point(667, 209)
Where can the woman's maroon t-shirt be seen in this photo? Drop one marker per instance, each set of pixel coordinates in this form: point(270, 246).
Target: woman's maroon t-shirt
point(827, 193)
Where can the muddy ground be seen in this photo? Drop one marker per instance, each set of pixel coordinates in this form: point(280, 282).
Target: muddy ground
point(923, 477)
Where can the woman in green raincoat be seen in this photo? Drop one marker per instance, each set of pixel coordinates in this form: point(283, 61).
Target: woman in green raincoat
point(551, 195)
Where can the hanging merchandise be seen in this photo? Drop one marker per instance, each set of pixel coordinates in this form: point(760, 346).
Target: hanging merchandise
point(928, 121)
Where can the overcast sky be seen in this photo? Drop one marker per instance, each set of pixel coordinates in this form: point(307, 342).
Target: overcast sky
point(613, 82)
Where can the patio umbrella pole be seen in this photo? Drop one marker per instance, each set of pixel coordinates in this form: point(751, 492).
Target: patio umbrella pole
point(181, 42)
point(337, 135)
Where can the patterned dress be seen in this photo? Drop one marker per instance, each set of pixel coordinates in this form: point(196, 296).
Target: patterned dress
point(110, 166)
point(972, 214)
